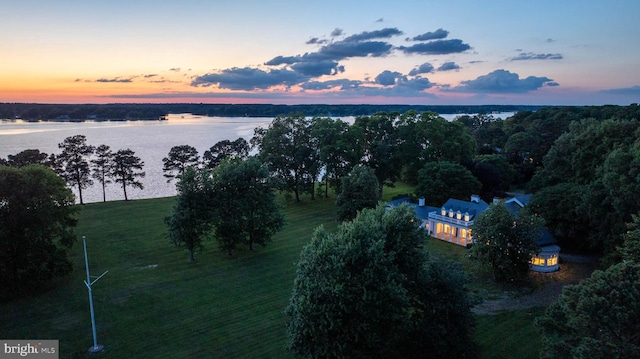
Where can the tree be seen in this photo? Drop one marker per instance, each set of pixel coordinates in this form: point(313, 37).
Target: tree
point(126, 169)
point(359, 190)
point(379, 147)
point(338, 150)
point(439, 181)
point(179, 158)
point(223, 150)
point(286, 147)
point(190, 220)
point(505, 241)
point(73, 162)
point(37, 216)
point(103, 167)
point(368, 290)
point(598, 318)
point(494, 172)
point(244, 204)
point(28, 157)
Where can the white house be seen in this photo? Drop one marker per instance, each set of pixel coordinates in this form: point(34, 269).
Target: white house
point(452, 223)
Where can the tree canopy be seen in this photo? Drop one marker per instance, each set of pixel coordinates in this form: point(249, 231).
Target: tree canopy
point(73, 162)
point(37, 217)
point(505, 242)
point(178, 159)
point(244, 204)
point(368, 290)
point(190, 220)
point(439, 181)
point(359, 190)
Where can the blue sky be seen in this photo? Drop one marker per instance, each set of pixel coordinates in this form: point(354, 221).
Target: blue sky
point(402, 52)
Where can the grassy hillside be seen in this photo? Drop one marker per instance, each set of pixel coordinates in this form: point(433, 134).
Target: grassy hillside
point(153, 303)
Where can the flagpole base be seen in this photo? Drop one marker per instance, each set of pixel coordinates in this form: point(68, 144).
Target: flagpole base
point(96, 349)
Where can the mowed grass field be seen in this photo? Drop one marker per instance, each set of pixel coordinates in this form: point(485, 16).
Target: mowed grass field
point(153, 303)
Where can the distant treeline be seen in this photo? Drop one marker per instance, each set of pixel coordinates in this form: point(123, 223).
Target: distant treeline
point(67, 112)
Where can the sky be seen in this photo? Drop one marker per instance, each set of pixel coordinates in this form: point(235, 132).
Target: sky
point(422, 52)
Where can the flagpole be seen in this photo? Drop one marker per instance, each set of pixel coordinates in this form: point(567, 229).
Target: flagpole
point(96, 347)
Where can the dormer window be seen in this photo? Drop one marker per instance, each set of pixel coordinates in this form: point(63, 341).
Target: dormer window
point(451, 213)
point(458, 215)
point(467, 217)
point(443, 211)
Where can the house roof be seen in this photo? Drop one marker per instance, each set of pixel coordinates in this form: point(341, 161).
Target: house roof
point(422, 212)
point(473, 208)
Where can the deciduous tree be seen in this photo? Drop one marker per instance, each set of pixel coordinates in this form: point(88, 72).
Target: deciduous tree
point(439, 181)
point(359, 190)
point(286, 147)
point(505, 241)
point(37, 216)
point(244, 204)
point(191, 219)
point(598, 318)
point(368, 290)
point(223, 150)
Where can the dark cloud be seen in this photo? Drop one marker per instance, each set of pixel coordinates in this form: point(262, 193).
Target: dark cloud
point(380, 20)
point(502, 81)
point(314, 40)
point(283, 60)
point(414, 84)
point(336, 32)
point(532, 56)
point(175, 69)
point(115, 79)
point(438, 47)
point(343, 84)
point(342, 49)
point(377, 34)
point(422, 69)
point(318, 68)
point(633, 91)
point(550, 40)
point(435, 35)
point(448, 66)
point(248, 78)
point(388, 78)
point(150, 75)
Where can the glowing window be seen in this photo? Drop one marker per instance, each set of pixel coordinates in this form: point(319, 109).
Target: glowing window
point(467, 217)
point(451, 213)
point(553, 260)
point(443, 211)
point(458, 215)
point(537, 261)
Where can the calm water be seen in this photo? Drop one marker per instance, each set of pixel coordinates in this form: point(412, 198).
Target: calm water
point(150, 140)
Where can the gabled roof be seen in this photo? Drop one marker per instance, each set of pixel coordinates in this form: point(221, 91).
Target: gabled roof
point(422, 212)
point(473, 208)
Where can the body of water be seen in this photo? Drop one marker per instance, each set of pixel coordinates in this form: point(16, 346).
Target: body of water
point(150, 140)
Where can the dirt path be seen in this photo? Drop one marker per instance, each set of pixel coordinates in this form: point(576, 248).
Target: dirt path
point(548, 287)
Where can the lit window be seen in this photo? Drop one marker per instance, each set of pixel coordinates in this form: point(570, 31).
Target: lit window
point(458, 215)
point(553, 260)
point(444, 211)
point(467, 217)
point(451, 213)
point(537, 261)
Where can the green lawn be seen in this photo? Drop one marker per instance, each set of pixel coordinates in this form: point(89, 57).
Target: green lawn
point(153, 303)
